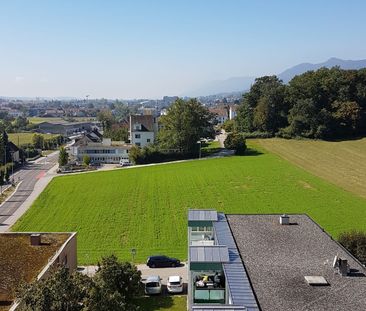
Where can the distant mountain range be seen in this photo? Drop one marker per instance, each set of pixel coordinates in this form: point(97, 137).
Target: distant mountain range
point(242, 84)
point(288, 74)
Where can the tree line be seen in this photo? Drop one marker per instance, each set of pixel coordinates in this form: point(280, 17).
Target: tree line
point(322, 104)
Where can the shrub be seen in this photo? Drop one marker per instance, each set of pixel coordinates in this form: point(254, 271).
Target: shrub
point(236, 141)
point(355, 243)
point(257, 134)
point(86, 160)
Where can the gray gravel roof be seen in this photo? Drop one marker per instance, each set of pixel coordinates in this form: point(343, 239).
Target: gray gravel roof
point(278, 257)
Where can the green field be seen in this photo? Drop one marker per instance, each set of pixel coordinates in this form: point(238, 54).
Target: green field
point(342, 163)
point(146, 208)
point(25, 138)
point(37, 120)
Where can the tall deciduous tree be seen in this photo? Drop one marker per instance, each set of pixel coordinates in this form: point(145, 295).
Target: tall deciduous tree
point(116, 284)
point(38, 141)
point(263, 108)
point(59, 291)
point(106, 118)
point(184, 124)
point(63, 157)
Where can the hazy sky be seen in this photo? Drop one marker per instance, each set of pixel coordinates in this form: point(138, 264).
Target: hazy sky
point(135, 49)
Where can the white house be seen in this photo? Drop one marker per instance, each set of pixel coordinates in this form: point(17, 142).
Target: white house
point(221, 114)
point(142, 130)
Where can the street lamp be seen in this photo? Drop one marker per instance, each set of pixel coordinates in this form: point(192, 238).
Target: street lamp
point(199, 154)
point(133, 253)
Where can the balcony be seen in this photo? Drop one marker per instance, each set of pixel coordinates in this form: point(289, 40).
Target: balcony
point(208, 287)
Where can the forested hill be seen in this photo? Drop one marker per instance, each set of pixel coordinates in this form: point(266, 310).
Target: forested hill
point(325, 104)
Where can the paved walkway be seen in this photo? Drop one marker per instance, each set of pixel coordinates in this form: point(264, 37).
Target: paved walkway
point(32, 179)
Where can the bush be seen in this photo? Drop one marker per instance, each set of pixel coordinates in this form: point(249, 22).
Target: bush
point(236, 141)
point(257, 134)
point(152, 154)
point(86, 160)
point(229, 125)
point(355, 243)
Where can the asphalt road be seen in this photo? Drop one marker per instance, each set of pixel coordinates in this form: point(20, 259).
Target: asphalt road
point(26, 178)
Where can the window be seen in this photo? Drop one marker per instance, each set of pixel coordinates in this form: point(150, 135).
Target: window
point(148, 140)
point(137, 136)
point(138, 144)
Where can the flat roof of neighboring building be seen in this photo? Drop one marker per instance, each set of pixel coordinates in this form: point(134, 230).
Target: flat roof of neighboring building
point(202, 215)
point(213, 253)
point(278, 257)
point(20, 261)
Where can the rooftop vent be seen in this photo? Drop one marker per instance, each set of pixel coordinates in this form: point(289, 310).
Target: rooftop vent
point(284, 219)
point(341, 265)
point(316, 280)
point(35, 239)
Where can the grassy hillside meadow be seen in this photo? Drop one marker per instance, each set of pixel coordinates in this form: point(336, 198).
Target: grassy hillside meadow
point(342, 163)
point(146, 207)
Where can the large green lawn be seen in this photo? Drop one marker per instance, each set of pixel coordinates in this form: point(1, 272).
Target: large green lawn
point(25, 138)
point(146, 208)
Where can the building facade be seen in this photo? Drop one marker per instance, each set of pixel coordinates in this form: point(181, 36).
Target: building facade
point(106, 151)
point(142, 130)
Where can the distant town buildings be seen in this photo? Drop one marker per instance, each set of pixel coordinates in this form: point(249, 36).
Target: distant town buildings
point(223, 113)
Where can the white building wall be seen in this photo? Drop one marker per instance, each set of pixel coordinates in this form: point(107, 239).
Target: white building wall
point(142, 139)
point(103, 154)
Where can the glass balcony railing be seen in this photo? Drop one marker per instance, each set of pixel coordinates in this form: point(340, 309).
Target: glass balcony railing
point(205, 295)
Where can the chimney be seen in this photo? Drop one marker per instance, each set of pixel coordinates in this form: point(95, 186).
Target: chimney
point(35, 239)
point(284, 219)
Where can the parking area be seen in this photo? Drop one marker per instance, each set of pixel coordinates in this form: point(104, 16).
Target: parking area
point(164, 273)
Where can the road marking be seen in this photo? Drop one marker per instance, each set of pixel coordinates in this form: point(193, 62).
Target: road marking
point(40, 175)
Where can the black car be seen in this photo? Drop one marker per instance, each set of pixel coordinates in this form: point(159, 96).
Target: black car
point(162, 261)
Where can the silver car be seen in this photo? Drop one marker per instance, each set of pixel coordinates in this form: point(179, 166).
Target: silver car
point(175, 284)
point(153, 285)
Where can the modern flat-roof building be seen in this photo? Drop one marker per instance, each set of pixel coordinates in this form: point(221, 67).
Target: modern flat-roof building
point(67, 128)
point(275, 263)
point(104, 151)
point(217, 279)
point(25, 257)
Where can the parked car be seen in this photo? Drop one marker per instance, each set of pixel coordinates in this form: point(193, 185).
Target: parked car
point(162, 261)
point(153, 285)
point(175, 284)
point(124, 163)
